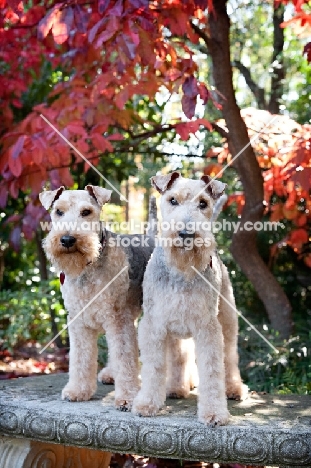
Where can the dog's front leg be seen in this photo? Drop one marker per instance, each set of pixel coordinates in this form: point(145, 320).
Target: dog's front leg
point(82, 362)
point(123, 358)
point(212, 404)
point(153, 373)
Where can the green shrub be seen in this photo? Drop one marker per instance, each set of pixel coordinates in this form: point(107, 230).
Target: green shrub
point(25, 314)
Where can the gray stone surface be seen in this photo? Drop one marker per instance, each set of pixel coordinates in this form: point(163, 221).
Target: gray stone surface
point(263, 430)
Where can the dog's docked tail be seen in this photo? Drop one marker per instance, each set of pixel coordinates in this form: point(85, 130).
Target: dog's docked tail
point(152, 230)
point(218, 207)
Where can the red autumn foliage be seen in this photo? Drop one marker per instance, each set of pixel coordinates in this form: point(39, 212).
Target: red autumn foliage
point(283, 151)
point(111, 51)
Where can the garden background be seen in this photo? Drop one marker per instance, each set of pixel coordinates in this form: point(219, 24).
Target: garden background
point(139, 87)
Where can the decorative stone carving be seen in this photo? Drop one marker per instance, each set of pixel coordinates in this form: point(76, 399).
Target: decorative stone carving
point(157, 441)
point(76, 431)
point(261, 431)
point(203, 444)
point(116, 435)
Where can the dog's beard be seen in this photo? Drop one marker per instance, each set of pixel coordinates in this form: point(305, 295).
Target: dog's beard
point(74, 260)
point(184, 257)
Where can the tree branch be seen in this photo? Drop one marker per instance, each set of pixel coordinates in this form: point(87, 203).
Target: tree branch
point(150, 133)
point(201, 33)
point(222, 131)
point(278, 73)
point(258, 92)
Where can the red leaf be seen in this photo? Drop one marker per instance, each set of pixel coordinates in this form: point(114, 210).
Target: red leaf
point(37, 155)
point(76, 129)
point(102, 6)
point(122, 97)
point(145, 49)
point(14, 189)
point(117, 9)
point(3, 195)
point(62, 25)
point(178, 22)
point(16, 5)
point(95, 28)
point(113, 26)
point(15, 237)
point(204, 93)
point(173, 74)
point(139, 3)
point(298, 237)
point(190, 87)
point(127, 46)
point(303, 178)
point(184, 129)
point(15, 165)
point(101, 143)
point(17, 147)
point(307, 50)
point(81, 19)
point(188, 106)
point(47, 22)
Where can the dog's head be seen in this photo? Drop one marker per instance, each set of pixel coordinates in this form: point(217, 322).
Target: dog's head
point(74, 239)
point(187, 208)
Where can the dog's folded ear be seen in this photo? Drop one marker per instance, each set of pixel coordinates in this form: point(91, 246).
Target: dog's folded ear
point(100, 194)
point(48, 197)
point(214, 187)
point(163, 182)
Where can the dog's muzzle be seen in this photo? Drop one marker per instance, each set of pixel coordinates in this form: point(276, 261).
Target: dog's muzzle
point(68, 241)
point(186, 234)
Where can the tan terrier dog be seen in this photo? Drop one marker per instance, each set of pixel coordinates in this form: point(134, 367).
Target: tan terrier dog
point(99, 273)
point(178, 303)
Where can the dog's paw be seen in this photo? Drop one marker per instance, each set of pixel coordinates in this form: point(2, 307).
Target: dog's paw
point(105, 376)
point(176, 394)
point(237, 391)
point(122, 404)
point(70, 393)
point(144, 408)
point(219, 418)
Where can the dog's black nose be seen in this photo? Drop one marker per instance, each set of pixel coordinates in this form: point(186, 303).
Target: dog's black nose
point(186, 234)
point(68, 241)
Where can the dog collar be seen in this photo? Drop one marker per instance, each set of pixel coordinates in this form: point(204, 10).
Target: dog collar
point(102, 236)
point(62, 277)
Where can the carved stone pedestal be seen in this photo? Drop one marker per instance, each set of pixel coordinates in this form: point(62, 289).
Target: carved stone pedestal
point(23, 453)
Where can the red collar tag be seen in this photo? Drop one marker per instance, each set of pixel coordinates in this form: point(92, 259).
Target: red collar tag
point(62, 277)
point(210, 264)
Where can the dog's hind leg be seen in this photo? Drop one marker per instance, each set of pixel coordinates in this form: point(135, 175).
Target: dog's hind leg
point(181, 367)
point(228, 319)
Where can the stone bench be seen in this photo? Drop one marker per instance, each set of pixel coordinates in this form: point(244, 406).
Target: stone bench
point(36, 425)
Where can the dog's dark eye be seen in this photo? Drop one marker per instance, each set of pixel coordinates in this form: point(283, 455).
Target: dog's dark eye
point(59, 212)
point(202, 204)
point(173, 201)
point(86, 212)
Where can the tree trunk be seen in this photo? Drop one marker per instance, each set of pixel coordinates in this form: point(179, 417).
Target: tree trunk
point(42, 258)
point(44, 277)
point(244, 244)
point(277, 65)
